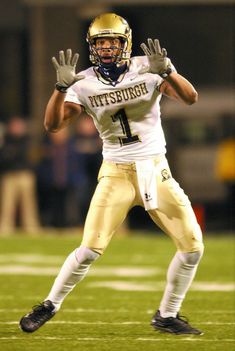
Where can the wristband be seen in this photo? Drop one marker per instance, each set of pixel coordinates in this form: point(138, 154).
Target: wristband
point(166, 73)
point(61, 88)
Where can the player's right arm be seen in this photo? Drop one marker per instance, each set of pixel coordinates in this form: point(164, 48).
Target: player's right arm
point(58, 112)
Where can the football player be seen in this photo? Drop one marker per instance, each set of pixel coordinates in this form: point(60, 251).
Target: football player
point(122, 94)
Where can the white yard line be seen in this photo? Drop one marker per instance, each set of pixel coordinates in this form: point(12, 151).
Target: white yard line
point(82, 322)
point(159, 286)
point(120, 310)
point(31, 258)
point(119, 272)
point(157, 339)
point(105, 271)
point(194, 339)
point(202, 312)
point(75, 310)
point(116, 323)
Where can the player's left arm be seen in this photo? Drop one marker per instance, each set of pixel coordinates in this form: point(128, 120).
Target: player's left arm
point(177, 87)
point(174, 85)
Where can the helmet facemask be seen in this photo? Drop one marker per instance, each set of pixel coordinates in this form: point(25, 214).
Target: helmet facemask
point(117, 53)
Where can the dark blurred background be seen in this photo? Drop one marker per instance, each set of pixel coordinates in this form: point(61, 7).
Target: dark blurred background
point(199, 37)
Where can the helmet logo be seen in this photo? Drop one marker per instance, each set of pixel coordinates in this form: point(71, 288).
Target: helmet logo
point(106, 31)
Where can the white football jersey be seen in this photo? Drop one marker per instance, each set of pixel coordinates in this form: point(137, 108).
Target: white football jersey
point(127, 115)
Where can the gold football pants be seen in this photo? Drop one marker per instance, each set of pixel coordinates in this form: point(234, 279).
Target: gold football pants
point(117, 192)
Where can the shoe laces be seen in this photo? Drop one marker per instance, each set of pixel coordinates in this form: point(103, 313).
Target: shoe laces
point(39, 311)
point(182, 318)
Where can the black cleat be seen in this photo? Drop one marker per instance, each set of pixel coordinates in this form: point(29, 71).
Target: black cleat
point(173, 325)
point(37, 317)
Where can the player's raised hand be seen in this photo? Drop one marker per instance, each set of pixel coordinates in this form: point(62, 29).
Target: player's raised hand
point(66, 69)
point(157, 57)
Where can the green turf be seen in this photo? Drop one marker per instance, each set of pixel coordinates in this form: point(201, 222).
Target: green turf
point(101, 318)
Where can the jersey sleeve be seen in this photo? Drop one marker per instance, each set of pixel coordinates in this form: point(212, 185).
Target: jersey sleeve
point(142, 62)
point(72, 95)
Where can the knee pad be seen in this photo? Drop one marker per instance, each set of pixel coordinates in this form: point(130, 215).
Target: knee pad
point(84, 255)
point(191, 258)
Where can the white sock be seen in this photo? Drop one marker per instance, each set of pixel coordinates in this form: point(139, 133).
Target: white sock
point(73, 271)
point(180, 275)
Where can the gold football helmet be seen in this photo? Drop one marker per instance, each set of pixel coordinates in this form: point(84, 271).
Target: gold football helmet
point(112, 26)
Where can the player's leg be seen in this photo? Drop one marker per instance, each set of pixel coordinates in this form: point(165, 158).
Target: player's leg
point(107, 211)
point(72, 272)
point(176, 218)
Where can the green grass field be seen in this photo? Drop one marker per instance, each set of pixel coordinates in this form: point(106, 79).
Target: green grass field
point(112, 308)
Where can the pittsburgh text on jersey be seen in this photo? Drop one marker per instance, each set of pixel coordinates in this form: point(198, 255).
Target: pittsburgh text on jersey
point(119, 96)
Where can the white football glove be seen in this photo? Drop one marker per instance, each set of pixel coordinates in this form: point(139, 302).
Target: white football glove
point(158, 61)
point(65, 70)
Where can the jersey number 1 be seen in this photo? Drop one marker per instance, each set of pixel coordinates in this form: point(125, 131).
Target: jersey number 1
point(129, 138)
